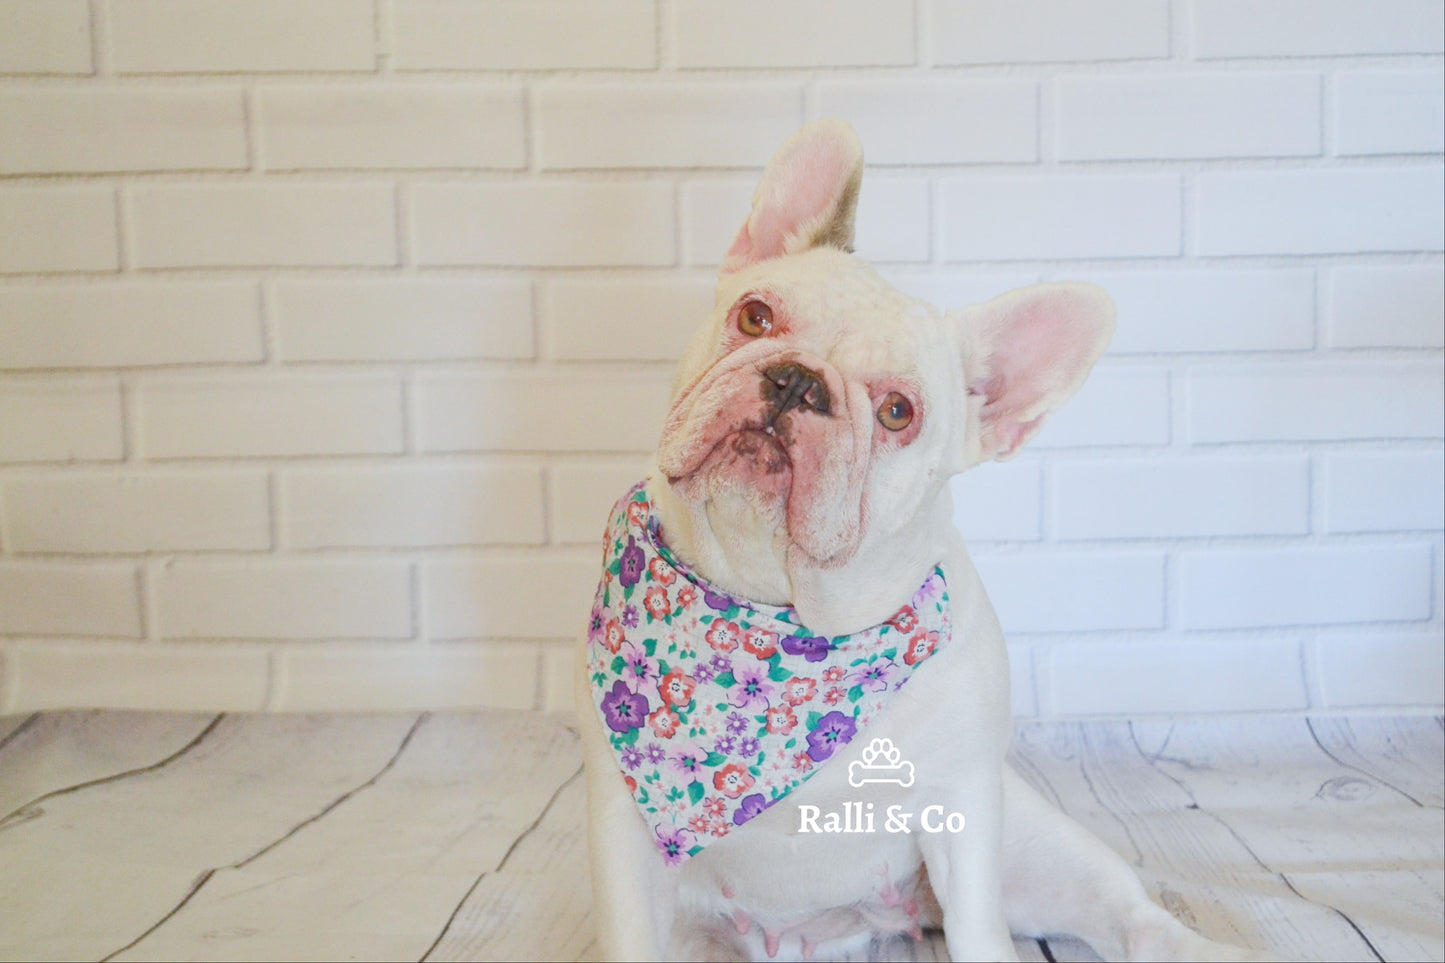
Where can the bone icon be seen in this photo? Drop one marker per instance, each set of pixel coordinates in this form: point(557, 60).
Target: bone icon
point(881, 762)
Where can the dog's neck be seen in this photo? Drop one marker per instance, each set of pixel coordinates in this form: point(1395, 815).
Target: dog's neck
point(754, 561)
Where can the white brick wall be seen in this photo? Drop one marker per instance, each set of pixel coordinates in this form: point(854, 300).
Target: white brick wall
point(329, 331)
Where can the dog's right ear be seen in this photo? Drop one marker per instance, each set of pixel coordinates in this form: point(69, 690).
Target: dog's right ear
point(806, 199)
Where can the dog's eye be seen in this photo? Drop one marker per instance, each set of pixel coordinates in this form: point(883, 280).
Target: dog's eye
point(896, 412)
point(755, 319)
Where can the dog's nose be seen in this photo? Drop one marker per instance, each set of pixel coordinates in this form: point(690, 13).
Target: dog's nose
point(787, 386)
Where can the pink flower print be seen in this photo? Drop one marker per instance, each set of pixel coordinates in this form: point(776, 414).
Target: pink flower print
point(905, 619)
point(660, 571)
point(686, 596)
point(781, 719)
point(834, 673)
point(732, 780)
point(929, 592)
point(835, 695)
point(920, 647)
point(715, 806)
point(657, 604)
point(798, 690)
point(719, 828)
point(751, 687)
point(699, 823)
point(722, 635)
point(637, 513)
point(638, 667)
point(802, 762)
point(675, 844)
point(760, 642)
point(676, 688)
point(875, 676)
point(664, 722)
point(612, 635)
point(689, 760)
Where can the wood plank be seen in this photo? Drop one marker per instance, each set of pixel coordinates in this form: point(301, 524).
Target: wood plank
point(1401, 752)
point(128, 852)
point(9, 725)
point(58, 751)
point(378, 877)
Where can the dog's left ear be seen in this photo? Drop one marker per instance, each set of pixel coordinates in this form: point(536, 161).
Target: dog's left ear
point(1025, 353)
point(806, 199)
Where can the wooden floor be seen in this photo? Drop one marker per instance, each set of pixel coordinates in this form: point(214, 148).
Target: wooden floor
point(135, 836)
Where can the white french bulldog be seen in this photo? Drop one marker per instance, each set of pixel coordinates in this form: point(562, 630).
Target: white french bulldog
point(802, 481)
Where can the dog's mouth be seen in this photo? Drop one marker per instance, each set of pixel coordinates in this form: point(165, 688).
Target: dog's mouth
point(750, 458)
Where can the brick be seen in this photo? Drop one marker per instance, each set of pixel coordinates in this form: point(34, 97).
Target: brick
point(45, 37)
point(49, 598)
point(1002, 218)
point(803, 33)
point(939, 121)
point(277, 416)
point(527, 597)
point(572, 224)
point(999, 503)
point(582, 126)
point(283, 600)
point(1315, 402)
point(263, 225)
point(1381, 670)
point(218, 36)
point(1390, 112)
point(624, 320)
point(92, 129)
point(152, 512)
point(403, 320)
point(892, 224)
point(580, 497)
point(60, 421)
point(401, 126)
point(1023, 697)
point(558, 679)
point(538, 35)
point(125, 325)
point(1312, 28)
point(141, 676)
point(1181, 498)
point(1321, 211)
point(408, 679)
point(1386, 307)
point(1116, 406)
point(1125, 678)
point(956, 288)
point(1384, 491)
point(1040, 31)
point(1076, 591)
point(57, 229)
point(541, 411)
point(1314, 585)
point(427, 505)
point(1129, 116)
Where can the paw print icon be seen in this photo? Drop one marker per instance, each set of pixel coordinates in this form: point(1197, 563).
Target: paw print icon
point(881, 762)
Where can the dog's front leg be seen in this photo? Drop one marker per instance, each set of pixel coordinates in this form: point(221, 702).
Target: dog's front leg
point(965, 870)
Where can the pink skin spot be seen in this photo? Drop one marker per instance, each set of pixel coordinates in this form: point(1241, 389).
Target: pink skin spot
point(916, 934)
point(770, 942)
point(727, 891)
point(808, 948)
point(741, 923)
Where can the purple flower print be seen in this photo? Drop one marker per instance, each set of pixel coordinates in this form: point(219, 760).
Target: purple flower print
point(655, 753)
point(689, 760)
point(629, 616)
point(751, 808)
point(748, 748)
point(594, 624)
point(638, 668)
point(834, 730)
point(929, 592)
point(717, 601)
point(631, 758)
point(875, 676)
point(704, 673)
point(675, 843)
point(753, 688)
point(725, 746)
point(623, 709)
point(815, 648)
point(631, 564)
point(721, 663)
point(737, 722)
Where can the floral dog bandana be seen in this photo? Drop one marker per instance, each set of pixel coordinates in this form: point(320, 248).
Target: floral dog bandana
point(716, 707)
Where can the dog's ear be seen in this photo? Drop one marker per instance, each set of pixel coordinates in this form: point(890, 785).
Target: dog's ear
point(806, 198)
point(1024, 354)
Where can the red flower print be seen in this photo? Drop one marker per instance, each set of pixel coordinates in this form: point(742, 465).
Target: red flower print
point(637, 513)
point(699, 824)
point(715, 805)
point(656, 603)
point(719, 828)
point(732, 780)
point(631, 783)
point(722, 635)
point(781, 719)
point(660, 571)
point(686, 596)
point(834, 673)
point(835, 696)
point(612, 635)
point(676, 688)
point(802, 762)
point(905, 619)
point(760, 642)
point(920, 647)
point(798, 690)
point(664, 722)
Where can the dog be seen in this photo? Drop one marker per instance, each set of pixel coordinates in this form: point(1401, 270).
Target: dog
point(787, 566)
